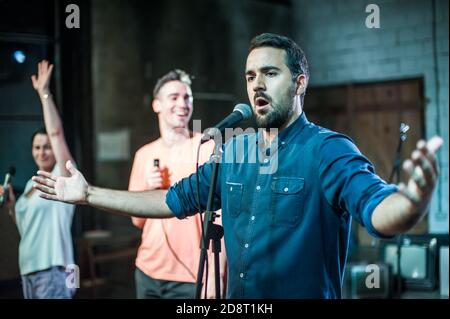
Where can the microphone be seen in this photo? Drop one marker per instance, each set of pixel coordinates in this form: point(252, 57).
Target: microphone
point(240, 112)
point(8, 177)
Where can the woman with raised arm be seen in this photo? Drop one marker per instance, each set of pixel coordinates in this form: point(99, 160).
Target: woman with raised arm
point(45, 248)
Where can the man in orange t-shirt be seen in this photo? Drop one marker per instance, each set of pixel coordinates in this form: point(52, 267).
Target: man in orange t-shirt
point(167, 259)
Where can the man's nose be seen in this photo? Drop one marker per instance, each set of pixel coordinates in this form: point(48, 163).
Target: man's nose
point(259, 84)
point(182, 103)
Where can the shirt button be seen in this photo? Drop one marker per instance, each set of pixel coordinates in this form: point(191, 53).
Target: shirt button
point(258, 188)
point(231, 188)
point(286, 189)
point(253, 218)
point(266, 160)
point(241, 275)
point(246, 245)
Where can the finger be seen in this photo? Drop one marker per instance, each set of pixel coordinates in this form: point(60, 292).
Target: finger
point(44, 189)
point(419, 180)
point(34, 81)
point(411, 176)
point(155, 178)
point(47, 196)
point(414, 170)
point(426, 173)
point(408, 167)
point(426, 170)
point(50, 69)
point(155, 175)
point(422, 147)
point(412, 196)
point(71, 168)
point(434, 144)
point(155, 182)
point(43, 181)
point(154, 169)
point(46, 175)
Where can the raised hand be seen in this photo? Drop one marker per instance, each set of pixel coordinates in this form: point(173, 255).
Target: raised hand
point(72, 189)
point(422, 169)
point(41, 83)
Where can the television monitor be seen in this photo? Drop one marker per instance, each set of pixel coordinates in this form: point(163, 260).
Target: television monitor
point(417, 260)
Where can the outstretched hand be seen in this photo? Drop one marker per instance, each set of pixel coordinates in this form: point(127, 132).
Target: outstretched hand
point(72, 189)
point(41, 82)
point(423, 171)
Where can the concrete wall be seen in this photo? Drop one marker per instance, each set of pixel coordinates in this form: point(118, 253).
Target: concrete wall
point(341, 49)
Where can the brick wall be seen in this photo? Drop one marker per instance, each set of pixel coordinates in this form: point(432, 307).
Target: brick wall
point(341, 49)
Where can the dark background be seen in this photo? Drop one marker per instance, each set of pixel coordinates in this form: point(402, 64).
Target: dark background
point(364, 82)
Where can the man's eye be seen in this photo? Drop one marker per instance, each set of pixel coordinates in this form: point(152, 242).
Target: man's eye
point(250, 78)
point(271, 74)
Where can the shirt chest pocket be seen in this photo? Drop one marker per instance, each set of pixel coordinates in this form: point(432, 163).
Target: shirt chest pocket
point(234, 198)
point(287, 200)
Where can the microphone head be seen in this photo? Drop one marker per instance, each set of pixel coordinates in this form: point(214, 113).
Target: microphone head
point(244, 109)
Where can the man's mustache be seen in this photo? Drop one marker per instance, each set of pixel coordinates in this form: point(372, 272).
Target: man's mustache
point(263, 95)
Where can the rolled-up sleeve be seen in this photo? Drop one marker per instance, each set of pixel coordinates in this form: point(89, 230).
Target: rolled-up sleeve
point(182, 197)
point(348, 180)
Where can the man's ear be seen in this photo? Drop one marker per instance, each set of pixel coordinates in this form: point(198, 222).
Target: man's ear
point(156, 105)
point(301, 84)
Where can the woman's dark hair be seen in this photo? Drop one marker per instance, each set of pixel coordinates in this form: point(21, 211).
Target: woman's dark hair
point(40, 130)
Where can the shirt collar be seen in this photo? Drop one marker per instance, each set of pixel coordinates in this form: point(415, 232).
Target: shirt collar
point(286, 135)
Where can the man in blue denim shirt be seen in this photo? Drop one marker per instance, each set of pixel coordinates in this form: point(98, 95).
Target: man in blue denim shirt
point(288, 195)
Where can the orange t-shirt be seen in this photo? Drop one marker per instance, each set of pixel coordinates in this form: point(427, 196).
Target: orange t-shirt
point(169, 248)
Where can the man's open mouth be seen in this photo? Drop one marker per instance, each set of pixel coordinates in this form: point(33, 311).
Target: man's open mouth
point(261, 102)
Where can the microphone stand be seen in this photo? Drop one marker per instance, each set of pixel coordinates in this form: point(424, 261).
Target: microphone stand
point(396, 174)
point(211, 232)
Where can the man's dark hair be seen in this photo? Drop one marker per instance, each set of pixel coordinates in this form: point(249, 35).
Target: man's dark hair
point(295, 57)
point(40, 130)
point(174, 75)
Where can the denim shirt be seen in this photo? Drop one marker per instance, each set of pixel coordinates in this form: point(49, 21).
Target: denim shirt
point(287, 215)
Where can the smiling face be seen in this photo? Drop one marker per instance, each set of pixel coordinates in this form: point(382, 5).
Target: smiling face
point(43, 153)
point(270, 87)
point(174, 104)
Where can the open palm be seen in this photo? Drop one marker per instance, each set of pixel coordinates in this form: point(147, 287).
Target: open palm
point(41, 82)
point(72, 189)
point(423, 172)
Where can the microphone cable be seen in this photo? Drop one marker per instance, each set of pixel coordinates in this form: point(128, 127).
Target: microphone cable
point(200, 212)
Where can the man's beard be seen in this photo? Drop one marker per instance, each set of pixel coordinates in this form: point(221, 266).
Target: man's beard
point(278, 114)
